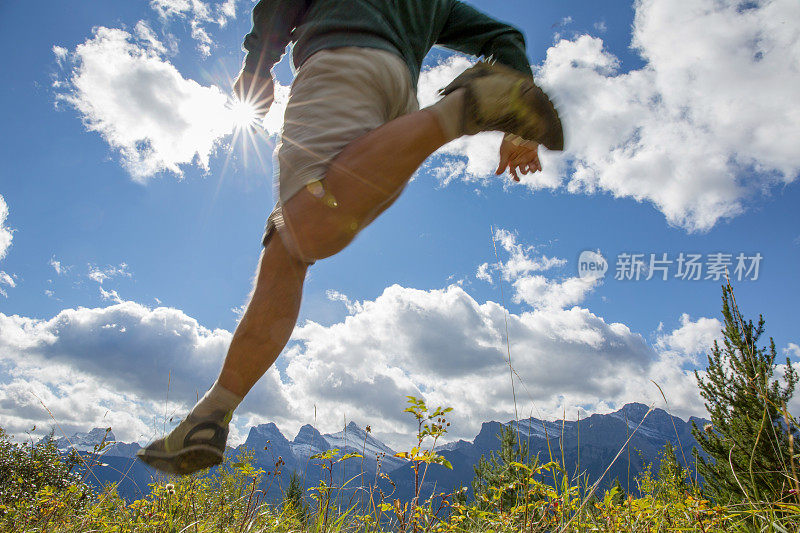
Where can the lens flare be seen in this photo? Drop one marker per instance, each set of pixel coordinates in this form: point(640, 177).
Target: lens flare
point(243, 114)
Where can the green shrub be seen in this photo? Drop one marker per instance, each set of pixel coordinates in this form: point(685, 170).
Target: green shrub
point(37, 483)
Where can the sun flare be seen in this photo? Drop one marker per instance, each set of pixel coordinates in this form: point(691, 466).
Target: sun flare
point(243, 114)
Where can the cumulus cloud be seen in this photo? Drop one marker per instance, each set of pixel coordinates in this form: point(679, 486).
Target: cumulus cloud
point(120, 362)
point(273, 121)
point(447, 347)
point(142, 106)
point(125, 365)
point(792, 349)
point(76, 402)
point(705, 125)
point(692, 338)
point(524, 268)
point(483, 273)
point(444, 345)
point(61, 54)
point(198, 14)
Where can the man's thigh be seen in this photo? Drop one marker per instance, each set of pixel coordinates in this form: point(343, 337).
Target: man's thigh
point(338, 96)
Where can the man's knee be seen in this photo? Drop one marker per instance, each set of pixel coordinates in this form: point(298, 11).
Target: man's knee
point(315, 228)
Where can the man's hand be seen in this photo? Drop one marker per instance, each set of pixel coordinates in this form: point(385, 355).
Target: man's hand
point(518, 155)
point(258, 91)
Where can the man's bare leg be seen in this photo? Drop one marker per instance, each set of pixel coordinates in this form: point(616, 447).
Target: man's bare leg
point(268, 321)
point(199, 440)
point(271, 314)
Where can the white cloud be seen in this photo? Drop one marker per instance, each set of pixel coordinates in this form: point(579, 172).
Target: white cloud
point(145, 34)
point(112, 365)
point(273, 122)
point(142, 106)
point(110, 295)
point(61, 54)
point(6, 279)
point(6, 233)
point(6, 236)
point(58, 266)
point(448, 348)
point(483, 273)
point(238, 311)
point(707, 124)
point(102, 274)
point(71, 402)
point(227, 9)
point(692, 338)
point(158, 120)
point(539, 291)
point(522, 269)
point(792, 349)
point(520, 261)
point(118, 363)
point(336, 296)
point(199, 14)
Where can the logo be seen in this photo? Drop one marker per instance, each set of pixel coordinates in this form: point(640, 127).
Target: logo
point(592, 265)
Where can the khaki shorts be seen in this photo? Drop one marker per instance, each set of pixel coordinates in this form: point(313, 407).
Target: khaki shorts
point(338, 95)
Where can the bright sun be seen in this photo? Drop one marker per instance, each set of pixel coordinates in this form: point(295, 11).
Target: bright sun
point(243, 114)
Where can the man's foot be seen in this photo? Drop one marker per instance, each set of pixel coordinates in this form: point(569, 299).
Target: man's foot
point(193, 445)
point(498, 98)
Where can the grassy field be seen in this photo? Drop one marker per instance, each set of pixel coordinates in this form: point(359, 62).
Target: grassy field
point(41, 491)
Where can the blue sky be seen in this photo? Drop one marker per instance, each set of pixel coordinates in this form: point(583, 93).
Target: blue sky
point(133, 224)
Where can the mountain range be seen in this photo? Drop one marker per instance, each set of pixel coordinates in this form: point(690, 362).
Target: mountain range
point(590, 444)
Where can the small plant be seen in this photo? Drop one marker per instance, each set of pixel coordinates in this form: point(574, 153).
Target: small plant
point(323, 493)
point(431, 425)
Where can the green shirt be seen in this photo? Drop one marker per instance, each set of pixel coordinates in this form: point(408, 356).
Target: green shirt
point(406, 27)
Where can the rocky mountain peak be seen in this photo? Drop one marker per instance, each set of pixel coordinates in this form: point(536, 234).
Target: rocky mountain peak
point(264, 434)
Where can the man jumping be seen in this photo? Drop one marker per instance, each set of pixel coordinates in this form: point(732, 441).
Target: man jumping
point(353, 135)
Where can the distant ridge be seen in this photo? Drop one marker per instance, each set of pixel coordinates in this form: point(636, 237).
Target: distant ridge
point(592, 443)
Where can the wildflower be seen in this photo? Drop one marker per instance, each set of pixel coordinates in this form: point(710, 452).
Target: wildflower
point(170, 488)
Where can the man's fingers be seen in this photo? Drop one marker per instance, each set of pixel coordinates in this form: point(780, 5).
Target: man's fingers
point(501, 167)
point(535, 163)
point(520, 157)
